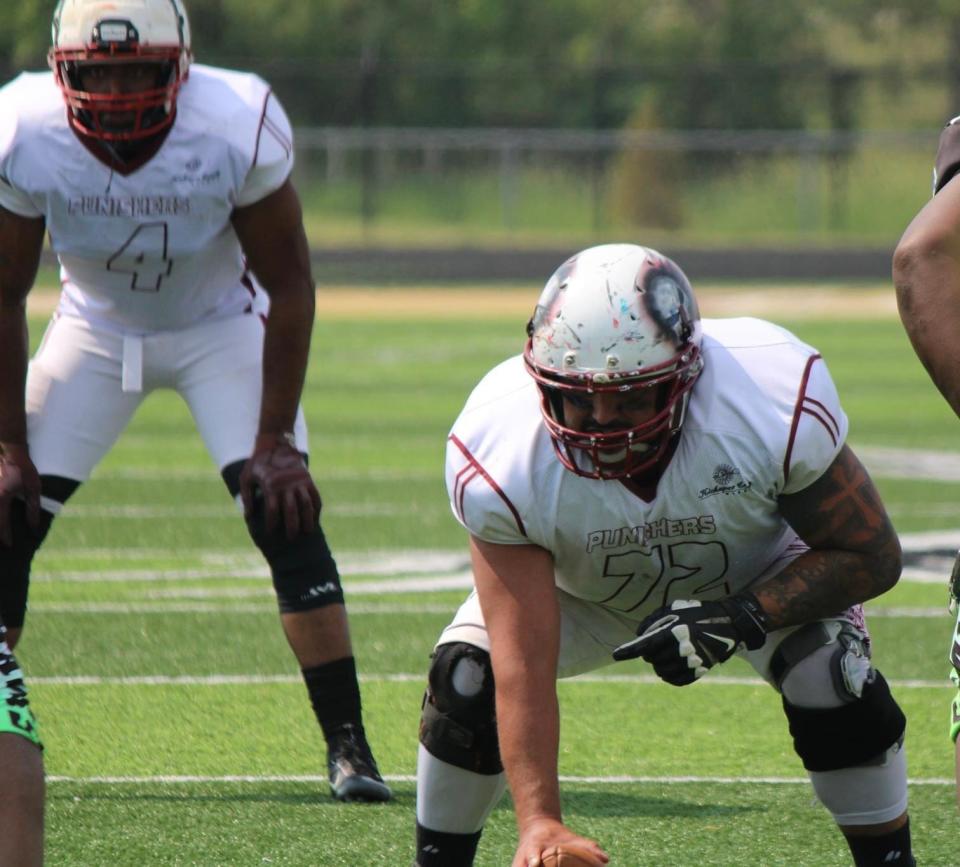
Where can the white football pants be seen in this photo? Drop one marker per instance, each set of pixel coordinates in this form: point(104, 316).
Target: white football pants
point(85, 383)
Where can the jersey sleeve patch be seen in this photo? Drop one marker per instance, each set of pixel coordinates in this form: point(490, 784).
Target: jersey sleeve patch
point(478, 502)
point(948, 155)
point(818, 429)
point(273, 154)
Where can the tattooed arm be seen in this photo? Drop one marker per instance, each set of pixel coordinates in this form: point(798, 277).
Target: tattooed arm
point(854, 551)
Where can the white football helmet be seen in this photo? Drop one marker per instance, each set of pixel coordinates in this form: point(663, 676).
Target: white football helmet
point(615, 318)
point(120, 31)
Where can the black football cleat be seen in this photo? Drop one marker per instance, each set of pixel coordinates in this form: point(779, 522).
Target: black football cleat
point(352, 769)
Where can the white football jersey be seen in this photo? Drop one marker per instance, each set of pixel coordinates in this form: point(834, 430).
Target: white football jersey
point(153, 250)
point(764, 419)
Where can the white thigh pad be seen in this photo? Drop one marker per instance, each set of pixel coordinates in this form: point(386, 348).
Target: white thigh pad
point(75, 405)
point(219, 373)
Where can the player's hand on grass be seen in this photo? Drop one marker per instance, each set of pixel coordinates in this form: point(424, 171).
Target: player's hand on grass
point(682, 642)
point(542, 840)
point(277, 473)
point(18, 479)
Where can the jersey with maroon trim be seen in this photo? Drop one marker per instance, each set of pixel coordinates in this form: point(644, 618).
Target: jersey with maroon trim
point(764, 419)
point(152, 250)
point(948, 155)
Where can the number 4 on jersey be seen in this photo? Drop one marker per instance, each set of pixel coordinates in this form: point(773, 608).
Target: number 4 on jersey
point(144, 257)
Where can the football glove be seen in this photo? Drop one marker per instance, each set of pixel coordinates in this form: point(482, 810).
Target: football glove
point(277, 473)
point(685, 640)
point(18, 479)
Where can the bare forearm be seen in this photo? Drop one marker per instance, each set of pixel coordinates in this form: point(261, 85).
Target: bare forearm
point(529, 732)
point(285, 354)
point(512, 581)
point(13, 364)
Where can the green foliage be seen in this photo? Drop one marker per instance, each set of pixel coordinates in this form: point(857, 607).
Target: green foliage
point(717, 64)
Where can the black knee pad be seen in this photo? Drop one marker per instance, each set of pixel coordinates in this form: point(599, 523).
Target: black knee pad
point(850, 735)
point(304, 572)
point(459, 720)
point(15, 563)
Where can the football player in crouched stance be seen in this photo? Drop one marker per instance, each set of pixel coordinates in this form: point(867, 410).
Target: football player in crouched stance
point(184, 265)
point(638, 483)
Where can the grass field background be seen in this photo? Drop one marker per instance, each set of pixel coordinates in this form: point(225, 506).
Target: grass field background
point(178, 731)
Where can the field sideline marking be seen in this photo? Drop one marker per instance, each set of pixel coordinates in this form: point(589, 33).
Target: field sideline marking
point(259, 679)
point(168, 779)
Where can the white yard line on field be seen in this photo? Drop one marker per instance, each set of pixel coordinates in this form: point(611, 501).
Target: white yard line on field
point(201, 474)
point(414, 584)
point(231, 512)
point(881, 461)
point(380, 561)
point(251, 679)
point(269, 606)
point(192, 779)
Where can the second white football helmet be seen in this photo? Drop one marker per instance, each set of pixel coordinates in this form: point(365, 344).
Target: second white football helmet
point(120, 31)
point(615, 318)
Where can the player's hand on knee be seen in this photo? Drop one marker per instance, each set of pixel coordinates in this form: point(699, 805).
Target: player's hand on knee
point(548, 843)
point(685, 640)
point(277, 474)
point(18, 478)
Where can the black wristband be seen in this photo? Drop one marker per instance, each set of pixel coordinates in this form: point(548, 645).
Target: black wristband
point(748, 618)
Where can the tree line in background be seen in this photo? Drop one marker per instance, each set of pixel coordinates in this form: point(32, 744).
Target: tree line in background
point(669, 64)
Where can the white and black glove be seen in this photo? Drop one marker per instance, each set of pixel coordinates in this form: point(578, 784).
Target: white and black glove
point(687, 638)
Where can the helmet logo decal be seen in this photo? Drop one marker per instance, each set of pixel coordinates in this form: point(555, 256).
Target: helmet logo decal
point(668, 303)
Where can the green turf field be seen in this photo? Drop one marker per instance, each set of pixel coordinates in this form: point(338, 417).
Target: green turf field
point(178, 732)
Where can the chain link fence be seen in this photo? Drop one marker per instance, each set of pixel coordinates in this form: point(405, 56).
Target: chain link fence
point(521, 186)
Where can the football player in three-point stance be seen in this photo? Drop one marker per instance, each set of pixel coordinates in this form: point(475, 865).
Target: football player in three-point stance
point(165, 189)
point(926, 271)
point(639, 483)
